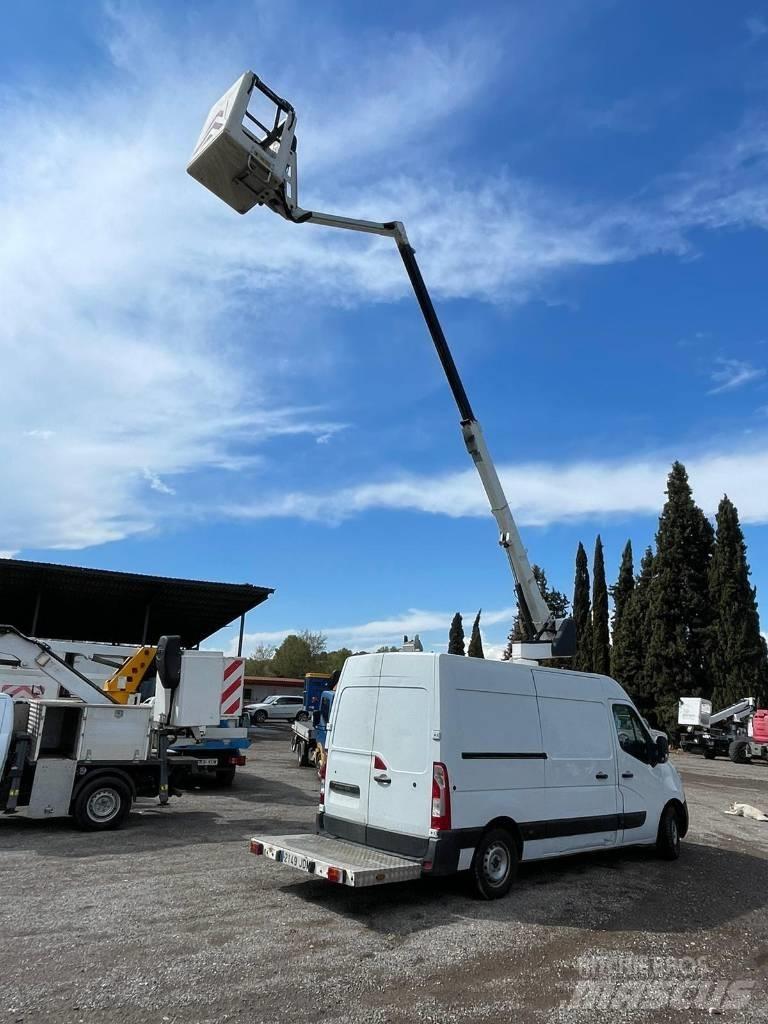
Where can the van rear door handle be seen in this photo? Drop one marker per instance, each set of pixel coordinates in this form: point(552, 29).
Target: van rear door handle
point(383, 780)
point(601, 775)
point(627, 775)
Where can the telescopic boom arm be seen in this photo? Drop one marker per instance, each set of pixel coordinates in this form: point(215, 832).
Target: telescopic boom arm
point(248, 162)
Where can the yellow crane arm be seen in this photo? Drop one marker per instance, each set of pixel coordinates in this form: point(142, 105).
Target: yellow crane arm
point(126, 680)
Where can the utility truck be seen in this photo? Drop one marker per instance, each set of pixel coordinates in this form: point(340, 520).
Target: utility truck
point(80, 752)
point(310, 730)
point(739, 731)
point(128, 674)
point(438, 763)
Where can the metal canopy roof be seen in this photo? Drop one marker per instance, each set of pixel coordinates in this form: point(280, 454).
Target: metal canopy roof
point(63, 602)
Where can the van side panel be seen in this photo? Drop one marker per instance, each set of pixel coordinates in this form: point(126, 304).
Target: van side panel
point(580, 805)
point(491, 742)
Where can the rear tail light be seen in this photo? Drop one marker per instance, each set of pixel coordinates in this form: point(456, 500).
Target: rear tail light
point(322, 795)
point(257, 848)
point(378, 764)
point(335, 875)
point(237, 759)
point(441, 798)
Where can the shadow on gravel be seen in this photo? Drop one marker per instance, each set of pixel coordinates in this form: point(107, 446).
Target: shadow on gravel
point(625, 890)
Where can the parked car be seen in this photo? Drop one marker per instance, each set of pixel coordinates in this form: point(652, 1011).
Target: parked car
point(276, 707)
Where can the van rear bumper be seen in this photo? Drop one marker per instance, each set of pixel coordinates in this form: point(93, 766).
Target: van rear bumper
point(445, 854)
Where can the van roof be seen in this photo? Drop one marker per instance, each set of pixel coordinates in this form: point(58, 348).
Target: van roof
point(609, 686)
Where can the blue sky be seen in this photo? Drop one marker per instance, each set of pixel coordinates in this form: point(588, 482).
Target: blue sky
point(192, 393)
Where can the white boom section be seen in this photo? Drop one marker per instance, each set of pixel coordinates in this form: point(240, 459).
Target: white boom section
point(741, 709)
point(24, 652)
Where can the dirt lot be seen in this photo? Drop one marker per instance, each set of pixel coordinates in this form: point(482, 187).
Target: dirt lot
point(171, 919)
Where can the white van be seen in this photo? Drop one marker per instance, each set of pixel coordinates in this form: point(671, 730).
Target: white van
point(438, 763)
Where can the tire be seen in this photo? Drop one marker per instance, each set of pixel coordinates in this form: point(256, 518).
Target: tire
point(739, 752)
point(260, 717)
point(302, 760)
point(668, 838)
point(225, 776)
point(494, 865)
point(102, 803)
point(709, 755)
point(302, 716)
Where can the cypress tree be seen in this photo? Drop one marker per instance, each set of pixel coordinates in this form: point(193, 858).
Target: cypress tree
point(680, 614)
point(456, 635)
point(601, 640)
point(582, 659)
point(475, 649)
point(630, 639)
point(737, 650)
point(624, 586)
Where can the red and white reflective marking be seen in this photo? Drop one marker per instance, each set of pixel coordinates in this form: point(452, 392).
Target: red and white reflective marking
point(232, 692)
point(14, 690)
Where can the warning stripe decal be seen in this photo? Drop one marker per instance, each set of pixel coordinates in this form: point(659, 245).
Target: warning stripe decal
point(233, 667)
point(232, 692)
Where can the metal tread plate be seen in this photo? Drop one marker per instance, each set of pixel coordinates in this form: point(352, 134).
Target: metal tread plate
point(361, 865)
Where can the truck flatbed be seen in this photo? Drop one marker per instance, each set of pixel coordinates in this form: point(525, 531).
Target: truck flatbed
point(336, 859)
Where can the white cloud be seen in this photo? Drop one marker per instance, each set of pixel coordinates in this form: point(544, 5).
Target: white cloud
point(541, 493)
point(730, 374)
point(432, 626)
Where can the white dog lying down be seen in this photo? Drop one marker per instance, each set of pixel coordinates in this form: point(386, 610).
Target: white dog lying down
point(747, 811)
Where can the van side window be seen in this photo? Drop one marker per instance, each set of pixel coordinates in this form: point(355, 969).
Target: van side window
point(633, 739)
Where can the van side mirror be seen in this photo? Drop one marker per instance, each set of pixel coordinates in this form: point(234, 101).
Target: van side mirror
point(169, 661)
point(662, 749)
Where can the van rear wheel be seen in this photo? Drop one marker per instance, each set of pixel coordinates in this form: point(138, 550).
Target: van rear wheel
point(494, 865)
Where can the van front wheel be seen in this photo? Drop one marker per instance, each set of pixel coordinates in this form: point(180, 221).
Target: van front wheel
point(494, 864)
point(668, 839)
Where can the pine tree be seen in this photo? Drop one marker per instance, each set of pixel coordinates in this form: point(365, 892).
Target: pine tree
point(555, 600)
point(630, 641)
point(456, 635)
point(475, 649)
point(737, 651)
point(582, 659)
point(679, 608)
point(601, 638)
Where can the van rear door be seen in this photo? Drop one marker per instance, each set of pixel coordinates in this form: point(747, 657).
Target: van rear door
point(350, 748)
point(401, 777)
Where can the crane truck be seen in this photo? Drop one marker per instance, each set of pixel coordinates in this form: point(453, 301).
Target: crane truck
point(739, 732)
point(393, 713)
point(80, 752)
point(128, 674)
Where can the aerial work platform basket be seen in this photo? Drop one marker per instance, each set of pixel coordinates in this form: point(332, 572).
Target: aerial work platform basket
point(246, 153)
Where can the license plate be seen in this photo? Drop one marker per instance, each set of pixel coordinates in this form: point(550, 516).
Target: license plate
point(295, 860)
point(207, 762)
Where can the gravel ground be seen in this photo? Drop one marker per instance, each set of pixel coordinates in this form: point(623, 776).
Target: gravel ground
point(172, 920)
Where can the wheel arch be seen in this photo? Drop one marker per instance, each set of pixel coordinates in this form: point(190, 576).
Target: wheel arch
point(681, 810)
point(509, 825)
point(105, 773)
